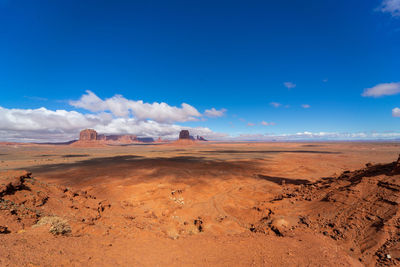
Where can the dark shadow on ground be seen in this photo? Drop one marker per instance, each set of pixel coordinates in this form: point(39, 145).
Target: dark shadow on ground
point(281, 180)
point(88, 163)
point(269, 151)
point(140, 144)
point(311, 145)
point(180, 168)
point(75, 155)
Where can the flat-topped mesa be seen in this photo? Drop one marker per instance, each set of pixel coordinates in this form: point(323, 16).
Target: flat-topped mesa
point(184, 134)
point(91, 137)
point(127, 138)
point(88, 135)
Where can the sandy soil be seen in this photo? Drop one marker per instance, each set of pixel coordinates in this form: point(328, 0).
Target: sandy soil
point(207, 204)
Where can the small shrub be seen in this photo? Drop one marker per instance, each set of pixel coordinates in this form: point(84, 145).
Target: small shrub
point(58, 226)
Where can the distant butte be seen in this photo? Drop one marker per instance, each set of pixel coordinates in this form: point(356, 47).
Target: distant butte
point(90, 137)
point(186, 139)
point(184, 134)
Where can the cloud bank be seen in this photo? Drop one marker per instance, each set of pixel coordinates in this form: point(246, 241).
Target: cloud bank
point(115, 115)
point(122, 107)
point(118, 115)
point(42, 125)
point(315, 136)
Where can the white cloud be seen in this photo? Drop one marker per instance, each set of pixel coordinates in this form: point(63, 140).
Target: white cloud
point(118, 115)
point(214, 112)
point(43, 125)
point(289, 85)
point(305, 106)
point(250, 124)
point(36, 119)
point(122, 107)
point(275, 104)
point(382, 90)
point(396, 112)
point(267, 123)
point(307, 136)
point(390, 6)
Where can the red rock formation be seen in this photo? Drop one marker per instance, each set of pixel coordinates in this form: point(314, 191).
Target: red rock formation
point(126, 139)
point(88, 135)
point(101, 137)
point(184, 134)
point(185, 139)
point(200, 138)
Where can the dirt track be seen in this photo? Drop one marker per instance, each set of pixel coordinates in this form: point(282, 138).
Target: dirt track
point(216, 204)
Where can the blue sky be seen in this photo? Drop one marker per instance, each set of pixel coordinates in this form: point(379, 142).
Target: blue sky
point(235, 56)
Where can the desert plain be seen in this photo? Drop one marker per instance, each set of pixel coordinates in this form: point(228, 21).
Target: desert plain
point(202, 204)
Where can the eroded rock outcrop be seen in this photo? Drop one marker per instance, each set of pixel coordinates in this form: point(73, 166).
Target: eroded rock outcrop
point(360, 210)
point(26, 202)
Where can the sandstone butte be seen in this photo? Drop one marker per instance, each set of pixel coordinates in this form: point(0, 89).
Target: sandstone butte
point(89, 137)
point(185, 139)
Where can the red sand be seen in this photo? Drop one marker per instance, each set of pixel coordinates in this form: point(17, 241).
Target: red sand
point(214, 204)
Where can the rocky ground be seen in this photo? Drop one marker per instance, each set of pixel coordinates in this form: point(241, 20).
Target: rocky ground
point(181, 210)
